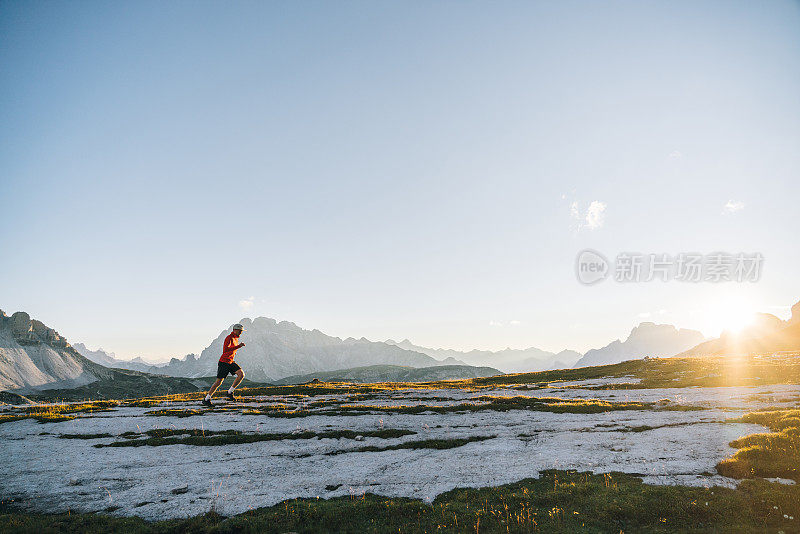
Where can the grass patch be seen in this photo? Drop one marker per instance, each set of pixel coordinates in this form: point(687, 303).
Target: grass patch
point(490, 403)
point(477, 404)
point(175, 412)
point(143, 403)
point(421, 444)
point(767, 454)
point(558, 501)
point(7, 417)
point(42, 417)
point(645, 428)
point(53, 413)
point(753, 370)
point(161, 437)
point(85, 436)
point(84, 407)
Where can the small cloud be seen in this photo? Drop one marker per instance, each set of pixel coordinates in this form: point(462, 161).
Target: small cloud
point(732, 206)
point(247, 304)
point(596, 214)
point(514, 322)
point(675, 154)
point(592, 218)
point(495, 323)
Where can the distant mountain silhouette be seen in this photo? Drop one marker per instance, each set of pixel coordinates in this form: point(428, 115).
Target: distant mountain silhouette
point(646, 339)
point(275, 350)
point(394, 373)
point(507, 360)
point(767, 334)
point(110, 360)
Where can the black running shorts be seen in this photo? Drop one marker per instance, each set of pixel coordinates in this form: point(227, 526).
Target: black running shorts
point(224, 369)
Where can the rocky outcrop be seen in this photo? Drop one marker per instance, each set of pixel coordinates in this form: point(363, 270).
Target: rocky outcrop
point(27, 331)
point(32, 355)
point(36, 360)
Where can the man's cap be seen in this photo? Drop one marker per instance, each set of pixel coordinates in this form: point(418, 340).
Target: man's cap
point(237, 326)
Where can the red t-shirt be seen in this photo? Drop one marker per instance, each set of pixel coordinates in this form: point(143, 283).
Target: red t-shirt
point(229, 348)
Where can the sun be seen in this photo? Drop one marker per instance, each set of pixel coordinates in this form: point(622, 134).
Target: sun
point(733, 316)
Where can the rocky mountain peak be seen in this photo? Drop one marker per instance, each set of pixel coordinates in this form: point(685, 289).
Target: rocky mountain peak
point(795, 319)
point(649, 328)
point(27, 331)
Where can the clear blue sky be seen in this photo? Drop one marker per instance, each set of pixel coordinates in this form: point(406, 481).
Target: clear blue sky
point(390, 169)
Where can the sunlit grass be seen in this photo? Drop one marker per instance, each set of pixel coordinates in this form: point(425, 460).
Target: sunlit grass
point(557, 501)
point(670, 372)
point(53, 413)
point(767, 454)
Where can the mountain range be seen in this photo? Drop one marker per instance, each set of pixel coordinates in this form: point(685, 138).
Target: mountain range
point(109, 359)
point(34, 357)
point(276, 350)
point(767, 334)
point(646, 339)
point(507, 360)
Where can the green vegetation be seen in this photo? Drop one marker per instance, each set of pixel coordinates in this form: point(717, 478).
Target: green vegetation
point(122, 384)
point(53, 413)
point(768, 454)
point(85, 436)
point(482, 403)
point(175, 412)
point(421, 444)
point(670, 372)
point(87, 407)
point(558, 501)
point(43, 417)
point(158, 437)
point(143, 403)
point(645, 428)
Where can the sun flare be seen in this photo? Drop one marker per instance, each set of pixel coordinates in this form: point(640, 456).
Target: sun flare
point(733, 316)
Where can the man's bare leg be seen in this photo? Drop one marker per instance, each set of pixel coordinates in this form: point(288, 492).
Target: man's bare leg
point(214, 388)
point(237, 380)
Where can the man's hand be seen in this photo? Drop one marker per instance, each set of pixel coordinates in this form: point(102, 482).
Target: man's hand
point(241, 345)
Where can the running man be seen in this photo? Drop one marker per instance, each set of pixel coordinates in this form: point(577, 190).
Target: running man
point(226, 364)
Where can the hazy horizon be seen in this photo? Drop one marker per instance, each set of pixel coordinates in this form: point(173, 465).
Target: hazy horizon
point(783, 316)
point(426, 171)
